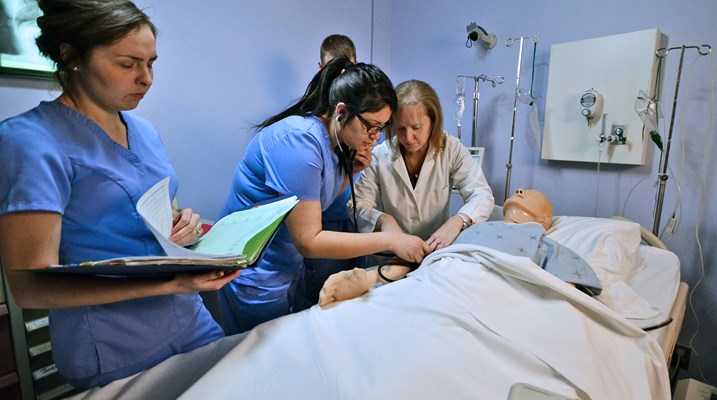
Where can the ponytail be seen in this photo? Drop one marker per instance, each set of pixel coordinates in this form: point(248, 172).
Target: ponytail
point(362, 87)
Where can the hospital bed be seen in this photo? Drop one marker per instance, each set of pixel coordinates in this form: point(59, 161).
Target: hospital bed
point(471, 322)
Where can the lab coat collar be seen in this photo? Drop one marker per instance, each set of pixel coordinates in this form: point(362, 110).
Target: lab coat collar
point(399, 166)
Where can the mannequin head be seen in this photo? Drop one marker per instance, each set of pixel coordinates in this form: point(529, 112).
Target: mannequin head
point(528, 205)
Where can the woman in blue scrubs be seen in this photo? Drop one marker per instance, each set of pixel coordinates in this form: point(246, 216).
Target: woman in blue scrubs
point(301, 151)
point(73, 170)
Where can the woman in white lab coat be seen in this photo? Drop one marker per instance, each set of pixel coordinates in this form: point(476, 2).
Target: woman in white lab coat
point(408, 186)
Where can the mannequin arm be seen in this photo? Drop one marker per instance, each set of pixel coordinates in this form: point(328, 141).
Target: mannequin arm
point(346, 285)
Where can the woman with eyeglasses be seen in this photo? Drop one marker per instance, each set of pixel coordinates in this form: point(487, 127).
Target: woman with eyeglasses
point(407, 188)
point(310, 149)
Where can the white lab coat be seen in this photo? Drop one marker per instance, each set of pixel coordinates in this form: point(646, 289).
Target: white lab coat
point(385, 187)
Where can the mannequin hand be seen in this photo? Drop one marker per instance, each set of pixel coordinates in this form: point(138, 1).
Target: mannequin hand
point(345, 285)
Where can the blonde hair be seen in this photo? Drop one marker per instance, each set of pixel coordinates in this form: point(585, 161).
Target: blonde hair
point(415, 93)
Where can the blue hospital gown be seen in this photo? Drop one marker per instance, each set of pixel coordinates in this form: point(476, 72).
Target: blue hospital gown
point(55, 159)
point(529, 240)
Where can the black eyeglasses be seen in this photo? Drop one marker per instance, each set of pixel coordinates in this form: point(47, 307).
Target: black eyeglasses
point(372, 129)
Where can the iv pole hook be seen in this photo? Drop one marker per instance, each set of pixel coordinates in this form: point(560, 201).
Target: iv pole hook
point(509, 166)
point(495, 80)
point(663, 174)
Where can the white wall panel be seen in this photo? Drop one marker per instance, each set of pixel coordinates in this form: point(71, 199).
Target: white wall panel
point(617, 67)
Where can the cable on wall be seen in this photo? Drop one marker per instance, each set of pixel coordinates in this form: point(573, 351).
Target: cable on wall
point(700, 210)
point(662, 53)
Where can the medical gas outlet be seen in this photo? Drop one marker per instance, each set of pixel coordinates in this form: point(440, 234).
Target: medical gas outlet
point(591, 105)
point(618, 134)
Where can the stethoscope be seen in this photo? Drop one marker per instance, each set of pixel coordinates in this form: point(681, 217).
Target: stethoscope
point(346, 162)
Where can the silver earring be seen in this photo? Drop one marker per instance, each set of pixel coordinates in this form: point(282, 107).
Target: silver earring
point(75, 68)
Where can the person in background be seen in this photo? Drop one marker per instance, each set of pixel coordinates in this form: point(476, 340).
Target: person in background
point(311, 150)
point(408, 186)
point(530, 208)
point(73, 170)
point(336, 45)
point(334, 218)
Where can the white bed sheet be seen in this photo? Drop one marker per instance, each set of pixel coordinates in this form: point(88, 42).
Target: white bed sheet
point(470, 323)
point(453, 329)
point(657, 281)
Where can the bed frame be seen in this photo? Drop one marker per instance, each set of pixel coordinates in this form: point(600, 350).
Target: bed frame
point(677, 313)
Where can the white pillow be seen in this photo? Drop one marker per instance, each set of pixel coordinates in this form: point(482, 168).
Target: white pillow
point(609, 246)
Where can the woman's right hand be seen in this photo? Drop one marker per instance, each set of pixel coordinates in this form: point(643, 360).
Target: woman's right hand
point(386, 223)
point(208, 281)
point(408, 247)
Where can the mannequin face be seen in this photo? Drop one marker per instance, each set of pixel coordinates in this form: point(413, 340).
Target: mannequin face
point(528, 206)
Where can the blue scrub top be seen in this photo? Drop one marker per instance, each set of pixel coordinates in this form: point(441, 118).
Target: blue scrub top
point(337, 210)
point(55, 159)
point(293, 155)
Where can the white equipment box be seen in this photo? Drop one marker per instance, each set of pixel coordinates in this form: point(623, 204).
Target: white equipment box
point(690, 389)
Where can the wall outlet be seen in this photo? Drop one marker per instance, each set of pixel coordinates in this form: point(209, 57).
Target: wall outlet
point(690, 389)
point(682, 354)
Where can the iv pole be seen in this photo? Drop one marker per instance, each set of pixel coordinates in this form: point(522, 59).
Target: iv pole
point(509, 166)
point(495, 80)
point(661, 53)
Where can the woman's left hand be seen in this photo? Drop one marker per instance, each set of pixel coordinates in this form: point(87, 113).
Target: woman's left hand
point(362, 160)
point(446, 234)
point(186, 226)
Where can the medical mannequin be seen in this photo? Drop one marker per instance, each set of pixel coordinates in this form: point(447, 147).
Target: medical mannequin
point(525, 207)
point(528, 205)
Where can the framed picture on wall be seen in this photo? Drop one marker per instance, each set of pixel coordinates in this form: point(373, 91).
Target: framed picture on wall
point(18, 28)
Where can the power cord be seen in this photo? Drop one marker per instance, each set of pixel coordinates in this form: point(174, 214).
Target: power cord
point(699, 216)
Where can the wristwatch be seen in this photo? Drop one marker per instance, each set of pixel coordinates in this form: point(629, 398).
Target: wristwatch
point(465, 221)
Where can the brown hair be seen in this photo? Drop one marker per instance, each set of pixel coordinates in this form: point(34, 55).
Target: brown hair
point(336, 45)
point(84, 25)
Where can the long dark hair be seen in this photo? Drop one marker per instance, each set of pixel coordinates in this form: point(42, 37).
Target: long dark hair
point(362, 87)
point(84, 25)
